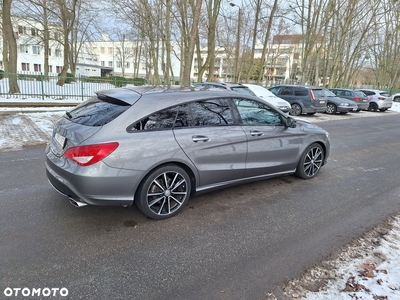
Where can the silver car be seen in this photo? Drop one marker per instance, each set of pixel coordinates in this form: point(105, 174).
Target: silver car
point(156, 147)
point(378, 99)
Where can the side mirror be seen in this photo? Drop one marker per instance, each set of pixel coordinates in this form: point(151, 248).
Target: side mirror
point(290, 122)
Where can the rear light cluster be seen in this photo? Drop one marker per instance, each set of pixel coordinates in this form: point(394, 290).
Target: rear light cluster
point(312, 95)
point(382, 98)
point(357, 99)
point(90, 154)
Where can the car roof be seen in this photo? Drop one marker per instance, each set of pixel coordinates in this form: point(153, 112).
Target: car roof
point(301, 86)
point(166, 96)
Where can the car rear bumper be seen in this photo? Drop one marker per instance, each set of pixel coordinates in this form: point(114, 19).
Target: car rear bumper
point(104, 191)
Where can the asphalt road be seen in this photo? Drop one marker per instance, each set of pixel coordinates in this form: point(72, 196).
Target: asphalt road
point(235, 243)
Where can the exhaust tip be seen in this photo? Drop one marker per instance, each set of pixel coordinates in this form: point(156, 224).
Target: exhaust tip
point(77, 203)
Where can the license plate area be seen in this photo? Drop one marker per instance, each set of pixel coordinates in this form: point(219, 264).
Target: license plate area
point(60, 140)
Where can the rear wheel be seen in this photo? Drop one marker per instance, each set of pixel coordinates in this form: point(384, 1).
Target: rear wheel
point(373, 107)
point(296, 109)
point(331, 109)
point(383, 109)
point(310, 162)
point(164, 192)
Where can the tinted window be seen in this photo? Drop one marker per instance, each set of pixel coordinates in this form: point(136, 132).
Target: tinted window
point(275, 90)
point(256, 113)
point(360, 94)
point(97, 112)
point(203, 113)
point(385, 94)
point(301, 92)
point(211, 112)
point(286, 91)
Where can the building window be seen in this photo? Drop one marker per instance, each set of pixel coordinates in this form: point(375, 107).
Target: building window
point(103, 63)
point(21, 29)
point(56, 36)
point(49, 51)
point(102, 50)
point(35, 49)
point(25, 67)
point(58, 69)
point(110, 64)
point(1, 64)
point(37, 68)
point(23, 49)
point(34, 31)
point(58, 52)
point(118, 64)
point(50, 69)
point(127, 65)
point(110, 50)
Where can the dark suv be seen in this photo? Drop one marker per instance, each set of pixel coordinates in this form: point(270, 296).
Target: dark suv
point(303, 99)
point(237, 87)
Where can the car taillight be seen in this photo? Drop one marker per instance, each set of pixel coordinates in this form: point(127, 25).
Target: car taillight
point(382, 98)
point(312, 95)
point(357, 99)
point(90, 154)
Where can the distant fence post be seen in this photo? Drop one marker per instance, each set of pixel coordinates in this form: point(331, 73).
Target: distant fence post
point(42, 84)
point(82, 87)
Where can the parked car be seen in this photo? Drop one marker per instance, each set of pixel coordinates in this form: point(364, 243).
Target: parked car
point(336, 104)
point(237, 87)
point(378, 99)
point(303, 99)
point(157, 147)
point(266, 95)
point(396, 97)
point(359, 97)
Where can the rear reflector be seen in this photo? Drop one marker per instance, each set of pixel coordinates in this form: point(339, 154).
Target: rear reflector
point(90, 154)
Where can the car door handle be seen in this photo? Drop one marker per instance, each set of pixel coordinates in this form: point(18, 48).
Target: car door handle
point(256, 133)
point(200, 138)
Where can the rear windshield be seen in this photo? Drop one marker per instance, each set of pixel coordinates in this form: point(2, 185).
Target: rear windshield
point(385, 94)
point(243, 90)
point(361, 94)
point(318, 93)
point(97, 111)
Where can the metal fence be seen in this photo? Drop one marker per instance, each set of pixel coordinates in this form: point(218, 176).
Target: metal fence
point(80, 87)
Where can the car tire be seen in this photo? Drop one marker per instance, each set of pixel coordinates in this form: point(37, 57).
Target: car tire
point(383, 109)
point(296, 109)
point(164, 192)
point(373, 107)
point(310, 162)
point(331, 109)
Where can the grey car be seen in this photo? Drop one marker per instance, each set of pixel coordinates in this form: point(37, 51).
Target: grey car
point(358, 96)
point(303, 99)
point(338, 105)
point(157, 147)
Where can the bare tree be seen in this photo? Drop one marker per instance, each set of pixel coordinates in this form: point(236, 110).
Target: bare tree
point(9, 48)
point(67, 11)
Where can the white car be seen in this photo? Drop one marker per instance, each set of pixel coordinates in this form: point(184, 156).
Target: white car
point(267, 96)
point(396, 97)
point(379, 100)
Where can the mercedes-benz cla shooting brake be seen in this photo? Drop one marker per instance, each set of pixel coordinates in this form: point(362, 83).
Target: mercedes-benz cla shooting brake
point(157, 147)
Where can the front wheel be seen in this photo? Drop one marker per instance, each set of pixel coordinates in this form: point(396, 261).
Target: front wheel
point(296, 109)
point(331, 109)
point(164, 192)
point(310, 162)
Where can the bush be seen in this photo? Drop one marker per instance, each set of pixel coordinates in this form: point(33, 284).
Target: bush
point(1, 74)
point(139, 81)
point(70, 78)
point(118, 81)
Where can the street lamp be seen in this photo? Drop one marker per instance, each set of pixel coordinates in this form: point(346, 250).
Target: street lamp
point(236, 78)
